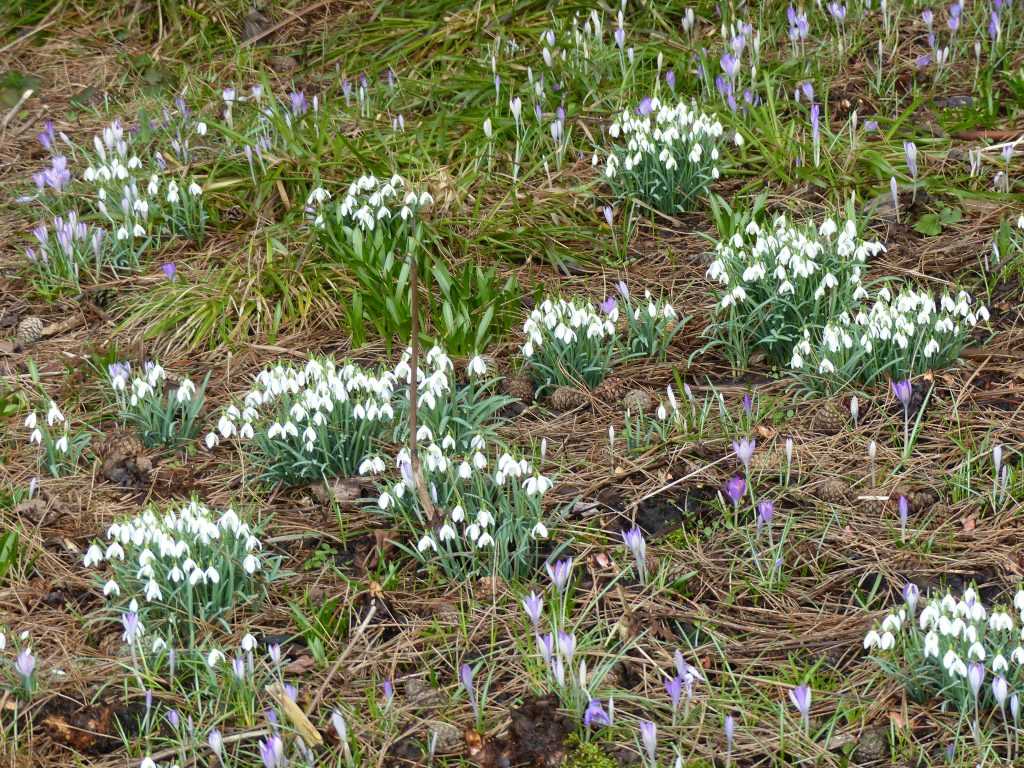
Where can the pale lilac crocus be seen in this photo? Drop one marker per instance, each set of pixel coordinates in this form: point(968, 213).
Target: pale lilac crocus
point(623, 289)
point(904, 511)
point(25, 665)
point(670, 79)
point(388, 690)
point(216, 742)
point(730, 733)
point(132, 627)
point(609, 215)
point(466, 678)
point(744, 450)
point(560, 573)
point(170, 270)
point(272, 752)
point(637, 545)
point(911, 594)
point(904, 391)
point(533, 604)
point(765, 513)
point(748, 405)
point(595, 716)
point(608, 305)
point(674, 689)
point(910, 152)
point(800, 696)
point(649, 737)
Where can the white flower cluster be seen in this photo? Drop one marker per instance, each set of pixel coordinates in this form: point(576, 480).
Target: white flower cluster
point(165, 558)
point(669, 135)
point(787, 260)
point(566, 323)
point(369, 201)
point(480, 504)
point(310, 422)
point(312, 397)
point(910, 329)
point(953, 634)
point(54, 418)
point(149, 385)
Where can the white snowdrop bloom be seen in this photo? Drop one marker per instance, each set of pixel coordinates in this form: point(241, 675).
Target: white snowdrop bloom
point(211, 440)
point(111, 588)
point(93, 555)
point(1000, 621)
point(477, 366)
point(887, 641)
point(931, 645)
point(485, 540)
point(425, 543)
point(215, 657)
point(251, 564)
point(871, 639)
point(153, 591)
point(976, 651)
point(999, 664)
point(1018, 655)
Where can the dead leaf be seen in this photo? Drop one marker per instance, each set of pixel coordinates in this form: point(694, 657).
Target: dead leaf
point(897, 719)
point(300, 665)
point(970, 523)
point(766, 432)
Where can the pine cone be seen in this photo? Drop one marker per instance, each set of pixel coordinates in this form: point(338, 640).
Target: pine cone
point(920, 499)
point(830, 418)
point(637, 401)
point(834, 491)
point(30, 330)
point(124, 460)
point(102, 297)
point(872, 501)
point(568, 398)
point(611, 390)
point(519, 387)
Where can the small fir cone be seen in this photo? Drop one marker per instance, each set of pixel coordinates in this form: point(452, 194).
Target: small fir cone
point(920, 499)
point(638, 401)
point(30, 330)
point(519, 387)
point(872, 501)
point(830, 418)
point(124, 460)
point(834, 491)
point(611, 390)
point(568, 398)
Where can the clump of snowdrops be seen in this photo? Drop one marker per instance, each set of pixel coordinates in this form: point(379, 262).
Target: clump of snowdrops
point(967, 654)
point(60, 446)
point(180, 566)
point(775, 281)
point(569, 343)
point(651, 324)
point(666, 155)
point(309, 423)
point(162, 415)
point(487, 505)
point(899, 335)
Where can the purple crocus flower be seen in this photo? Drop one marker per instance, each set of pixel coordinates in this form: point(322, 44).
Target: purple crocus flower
point(560, 573)
point(645, 107)
point(976, 677)
point(566, 643)
point(299, 104)
point(608, 305)
point(674, 689)
point(238, 667)
point(623, 289)
point(765, 513)
point(173, 718)
point(838, 11)
point(272, 752)
point(928, 17)
point(649, 737)
point(748, 405)
point(620, 37)
point(904, 510)
point(609, 215)
point(546, 647)
point(132, 626)
point(595, 716)
point(903, 391)
point(25, 664)
point(466, 678)
point(730, 65)
point(216, 742)
point(801, 698)
point(670, 79)
point(730, 732)
point(635, 543)
point(388, 690)
point(47, 136)
point(911, 594)
point(735, 488)
point(533, 604)
point(910, 152)
point(808, 90)
point(744, 450)
point(170, 270)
